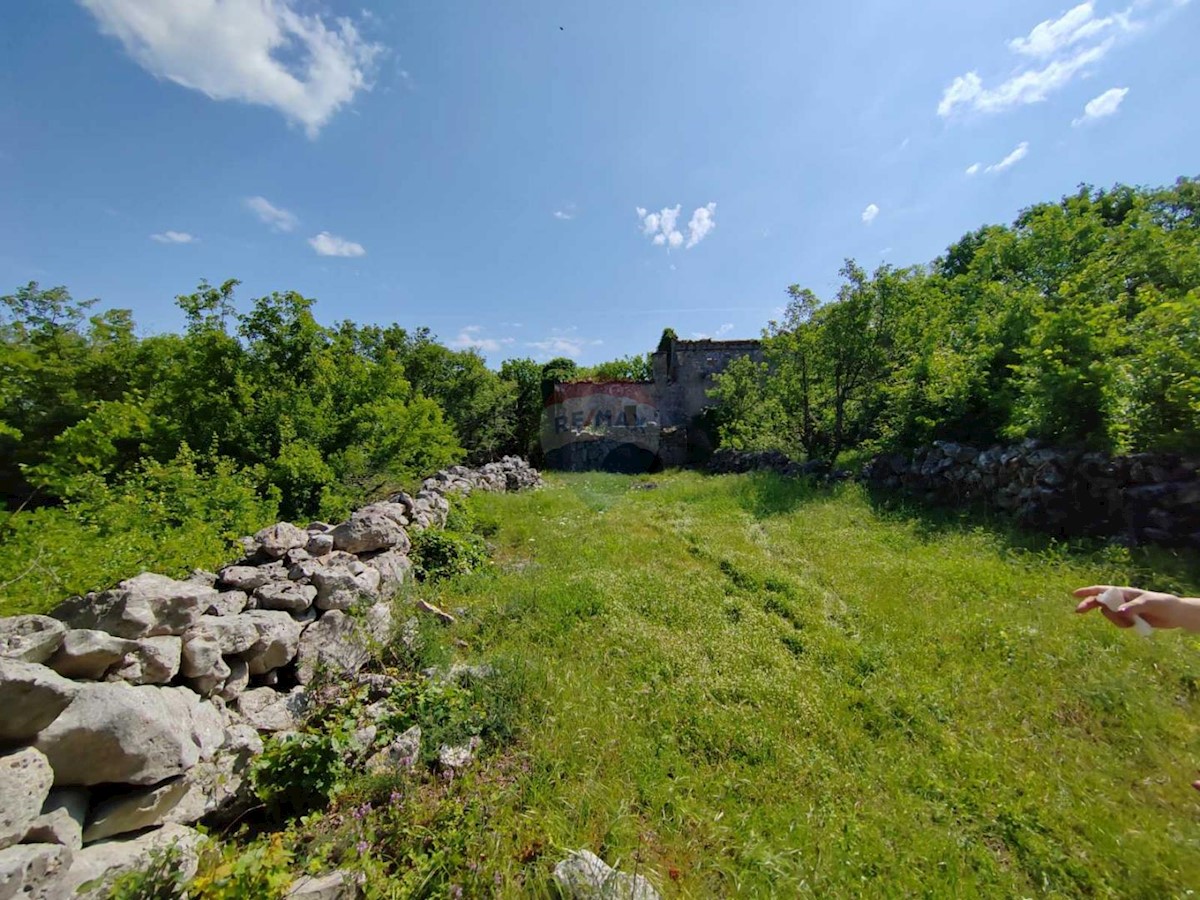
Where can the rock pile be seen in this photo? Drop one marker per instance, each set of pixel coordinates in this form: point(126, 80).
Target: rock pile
point(133, 712)
point(728, 462)
point(1142, 498)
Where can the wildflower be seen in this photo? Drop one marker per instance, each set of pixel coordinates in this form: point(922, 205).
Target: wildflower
point(456, 891)
point(362, 847)
point(395, 798)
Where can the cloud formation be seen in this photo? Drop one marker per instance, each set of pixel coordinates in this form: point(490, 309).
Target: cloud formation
point(278, 219)
point(562, 342)
point(973, 168)
point(471, 338)
point(174, 237)
point(869, 214)
point(1052, 55)
point(566, 214)
point(662, 227)
point(262, 52)
point(1103, 106)
point(327, 244)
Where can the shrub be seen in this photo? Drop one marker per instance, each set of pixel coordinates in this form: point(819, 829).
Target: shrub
point(442, 554)
point(297, 772)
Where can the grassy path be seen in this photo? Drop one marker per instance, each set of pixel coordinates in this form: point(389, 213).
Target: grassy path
point(739, 686)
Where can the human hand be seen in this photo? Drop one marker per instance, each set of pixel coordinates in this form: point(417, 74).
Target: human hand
point(1158, 609)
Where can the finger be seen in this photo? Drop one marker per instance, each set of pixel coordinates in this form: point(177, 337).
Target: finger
point(1088, 605)
point(1116, 618)
point(1091, 591)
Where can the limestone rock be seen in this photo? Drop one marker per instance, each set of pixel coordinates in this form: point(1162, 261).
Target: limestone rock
point(227, 603)
point(89, 654)
point(394, 569)
point(117, 732)
point(218, 785)
point(95, 867)
point(238, 680)
point(74, 801)
point(25, 779)
point(401, 753)
point(270, 710)
point(335, 643)
point(280, 538)
point(287, 595)
point(339, 589)
point(245, 578)
point(436, 611)
point(32, 697)
point(319, 544)
point(369, 531)
point(233, 634)
point(134, 810)
point(201, 654)
point(142, 606)
point(585, 876)
point(207, 682)
point(278, 640)
point(459, 756)
point(34, 871)
point(55, 827)
point(339, 885)
point(153, 660)
point(30, 639)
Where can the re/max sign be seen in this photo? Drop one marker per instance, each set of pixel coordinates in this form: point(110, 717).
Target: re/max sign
point(600, 418)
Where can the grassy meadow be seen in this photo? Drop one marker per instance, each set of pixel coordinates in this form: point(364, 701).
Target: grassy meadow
point(746, 686)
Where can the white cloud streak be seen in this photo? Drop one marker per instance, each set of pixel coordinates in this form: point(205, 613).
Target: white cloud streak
point(471, 338)
point(1052, 55)
point(973, 168)
point(1103, 106)
point(869, 214)
point(564, 342)
point(256, 51)
point(702, 222)
point(174, 237)
point(270, 214)
point(1019, 153)
point(327, 244)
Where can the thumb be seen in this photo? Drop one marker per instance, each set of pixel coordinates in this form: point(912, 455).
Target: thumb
point(1135, 606)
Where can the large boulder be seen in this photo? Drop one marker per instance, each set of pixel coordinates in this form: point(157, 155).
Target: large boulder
point(142, 606)
point(394, 569)
point(245, 578)
point(30, 638)
point(153, 660)
point(278, 640)
point(117, 732)
point(270, 710)
point(585, 876)
point(340, 588)
point(88, 654)
point(34, 871)
point(280, 538)
point(291, 596)
point(57, 826)
point(25, 780)
point(227, 603)
point(367, 531)
point(32, 697)
point(95, 867)
point(134, 810)
point(335, 644)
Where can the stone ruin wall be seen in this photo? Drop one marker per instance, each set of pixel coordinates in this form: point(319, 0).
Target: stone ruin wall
point(131, 713)
point(630, 426)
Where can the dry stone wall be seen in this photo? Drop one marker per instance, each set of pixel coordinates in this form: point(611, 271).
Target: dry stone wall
point(131, 713)
point(1137, 499)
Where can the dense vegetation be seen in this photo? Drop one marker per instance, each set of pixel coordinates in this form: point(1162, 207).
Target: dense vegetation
point(794, 693)
point(1078, 324)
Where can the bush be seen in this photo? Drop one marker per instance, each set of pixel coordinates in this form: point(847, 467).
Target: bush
point(442, 554)
point(297, 772)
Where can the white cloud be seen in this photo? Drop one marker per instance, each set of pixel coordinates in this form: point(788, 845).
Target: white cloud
point(1031, 86)
point(1104, 105)
point(1049, 37)
point(1019, 153)
point(256, 51)
point(716, 335)
point(566, 214)
point(662, 227)
point(973, 169)
point(563, 342)
point(327, 244)
point(471, 338)
point(701, 223)
point(174, 237)
point(272, 215)
point(869, 214)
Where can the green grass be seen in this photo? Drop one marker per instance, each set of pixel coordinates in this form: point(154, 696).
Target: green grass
point(740, 685)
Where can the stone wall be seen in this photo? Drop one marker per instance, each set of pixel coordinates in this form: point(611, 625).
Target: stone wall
point(1143, 498)
point(131, 713)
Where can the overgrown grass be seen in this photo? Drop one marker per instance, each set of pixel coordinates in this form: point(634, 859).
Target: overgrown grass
point(741, 685)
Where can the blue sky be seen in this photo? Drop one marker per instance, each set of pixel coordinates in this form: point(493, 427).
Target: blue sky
point(538, 178)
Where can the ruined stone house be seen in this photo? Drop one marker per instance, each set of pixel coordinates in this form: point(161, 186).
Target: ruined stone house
point(640, 426)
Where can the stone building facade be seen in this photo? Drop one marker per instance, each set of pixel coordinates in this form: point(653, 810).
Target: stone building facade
point(640, 426)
